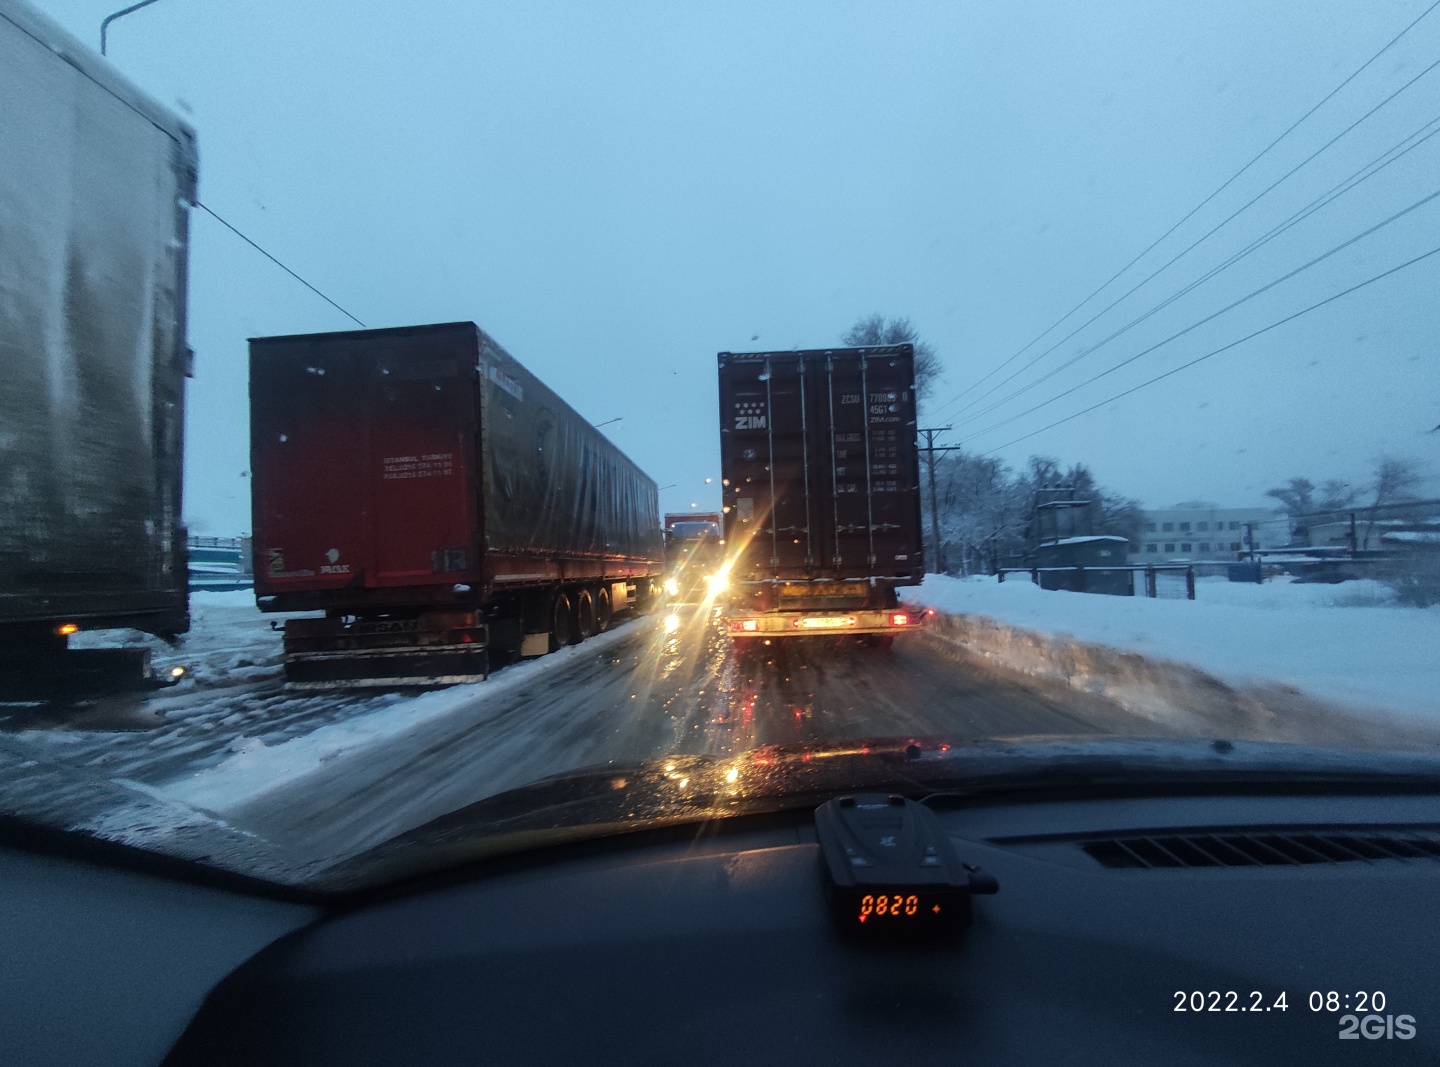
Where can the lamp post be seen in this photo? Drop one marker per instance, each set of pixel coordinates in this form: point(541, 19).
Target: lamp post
point(105, 24)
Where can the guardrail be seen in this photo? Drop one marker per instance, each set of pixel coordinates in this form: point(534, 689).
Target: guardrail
point(1080, 577)
point(197, 541)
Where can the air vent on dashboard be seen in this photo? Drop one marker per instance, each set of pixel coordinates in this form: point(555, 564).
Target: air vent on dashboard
point(1260, 848)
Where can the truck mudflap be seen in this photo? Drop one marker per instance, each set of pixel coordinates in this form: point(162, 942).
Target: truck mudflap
point(387, 668)
point(773, 624)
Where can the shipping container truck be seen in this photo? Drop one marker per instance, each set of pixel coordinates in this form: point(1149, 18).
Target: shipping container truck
point(820, 474)
point(443, 508)
point(694, 552)
point(96, 182)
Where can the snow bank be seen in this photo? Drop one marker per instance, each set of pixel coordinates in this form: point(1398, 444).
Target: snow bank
point(1344, 642)
point(254, 768)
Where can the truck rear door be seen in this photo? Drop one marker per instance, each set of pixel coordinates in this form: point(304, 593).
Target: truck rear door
point(363, 459)
point(819, 463)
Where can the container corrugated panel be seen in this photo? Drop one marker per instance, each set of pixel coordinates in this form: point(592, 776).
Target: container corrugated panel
point(95, 185)
point(424, 458)
point(820, 464)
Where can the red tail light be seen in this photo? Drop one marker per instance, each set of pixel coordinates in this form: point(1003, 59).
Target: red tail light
point(899, 618)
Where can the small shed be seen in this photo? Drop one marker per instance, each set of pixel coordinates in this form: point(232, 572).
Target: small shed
point(1099, 560)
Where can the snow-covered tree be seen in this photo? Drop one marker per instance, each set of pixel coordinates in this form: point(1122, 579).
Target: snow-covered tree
point(985, 507)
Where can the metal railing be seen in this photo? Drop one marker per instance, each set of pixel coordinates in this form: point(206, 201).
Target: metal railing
point(196, 541)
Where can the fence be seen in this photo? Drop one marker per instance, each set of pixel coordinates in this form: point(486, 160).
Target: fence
point(196, 541)
point(1143, 581)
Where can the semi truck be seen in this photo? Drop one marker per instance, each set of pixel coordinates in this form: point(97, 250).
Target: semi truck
point(694, 553)
point(96, 183)
point(438, 505)
point(821, 482)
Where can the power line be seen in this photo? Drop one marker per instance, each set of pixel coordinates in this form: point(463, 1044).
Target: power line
point(1207, 235)
point(1217, 351)
point(277, 263)
point(1374, 167)
point(1191, 213)
point(1228, 307)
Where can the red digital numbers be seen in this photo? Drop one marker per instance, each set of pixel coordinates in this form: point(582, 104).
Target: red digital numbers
point(889, 905)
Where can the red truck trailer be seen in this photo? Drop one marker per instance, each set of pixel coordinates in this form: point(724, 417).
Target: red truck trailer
point(821, 481)
point(438, 504)
point(96, 184)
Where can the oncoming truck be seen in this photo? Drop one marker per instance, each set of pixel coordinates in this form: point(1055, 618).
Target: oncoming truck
point(820, 476)
point(694, 553)
point(438, 504)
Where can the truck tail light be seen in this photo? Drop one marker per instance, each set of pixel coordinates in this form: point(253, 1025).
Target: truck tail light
point(745, 625)
point(899, 618)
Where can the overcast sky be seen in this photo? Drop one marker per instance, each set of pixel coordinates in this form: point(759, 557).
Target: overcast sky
point(617, 191)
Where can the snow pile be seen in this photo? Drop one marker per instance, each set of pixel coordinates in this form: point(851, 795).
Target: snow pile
point(254, 768)
point(1343, 642)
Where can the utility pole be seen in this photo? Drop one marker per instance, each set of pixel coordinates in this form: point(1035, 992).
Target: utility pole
point(937, 565)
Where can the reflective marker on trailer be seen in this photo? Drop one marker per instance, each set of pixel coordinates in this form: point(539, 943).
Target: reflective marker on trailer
point(824, 622)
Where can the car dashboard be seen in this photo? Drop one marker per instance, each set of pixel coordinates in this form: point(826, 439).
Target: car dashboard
point(1178, 928)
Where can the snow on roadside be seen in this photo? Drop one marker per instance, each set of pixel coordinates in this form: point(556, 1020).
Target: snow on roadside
point(254, 767)
point(1337, 642)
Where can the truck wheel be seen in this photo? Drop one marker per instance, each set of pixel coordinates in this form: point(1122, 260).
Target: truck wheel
point(560, 629)
point(602, 610)
point(584, 615)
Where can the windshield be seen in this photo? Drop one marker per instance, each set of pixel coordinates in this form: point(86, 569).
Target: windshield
point(468, 412)
point(695, 531)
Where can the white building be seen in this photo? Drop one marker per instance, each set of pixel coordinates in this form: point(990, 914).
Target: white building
point(1206, 533)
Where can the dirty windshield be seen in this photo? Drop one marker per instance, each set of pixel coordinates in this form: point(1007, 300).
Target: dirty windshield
point(547, 419)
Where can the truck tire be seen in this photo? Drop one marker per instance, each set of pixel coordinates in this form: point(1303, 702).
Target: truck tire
point(561, 625)
point(584, 615)
point(603, 610)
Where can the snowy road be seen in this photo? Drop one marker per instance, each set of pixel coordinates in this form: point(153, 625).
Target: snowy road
point(645, 694)
point(321, 776)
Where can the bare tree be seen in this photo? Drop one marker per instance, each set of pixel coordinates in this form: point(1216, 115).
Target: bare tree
point(1337, 495)
point(1394, 482)
point(876, 330)
point(1297, 496)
